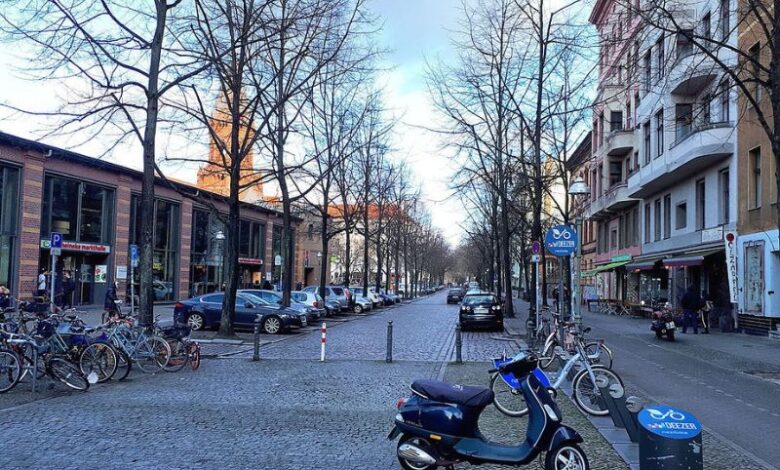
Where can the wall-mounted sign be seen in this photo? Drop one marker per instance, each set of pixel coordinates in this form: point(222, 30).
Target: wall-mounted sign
point(101, 274)
point(121, 273)
point(77, 246)
point(254, 261)
point(730, 239)
point(710, 235)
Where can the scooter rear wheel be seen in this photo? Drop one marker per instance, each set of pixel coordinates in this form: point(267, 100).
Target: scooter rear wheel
point(418, 442)
point(566, 457)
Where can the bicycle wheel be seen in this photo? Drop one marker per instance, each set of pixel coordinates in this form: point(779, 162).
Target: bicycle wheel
point(10, 370)
point(194, 355)
point(152, 354)
point(67, 373)
point(99, 358)
point(179, 356)
point(587, 395)
point(508, 400)
point(603, 357)
point(547, 357)
point(123, 365)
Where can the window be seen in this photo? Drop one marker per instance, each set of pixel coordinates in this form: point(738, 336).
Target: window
point(648, 70)
point(595, 142)
point(613, 239)
point(601, 129)
point(213, 299)
point(629, 120)
point(657, 221)
point(684, 121)
point(684, 43)
point(667, 216)
point(701, 204)
point(647, 223)
point(725, 27)
point(615, 172)
point(661, 57)
point(646, 131)
point(755, 69)
point(755, 178)
point(9, 204)
point(615, 121)
point(635, 166)
point(754, 277)
point(706, 112)
point(725, 194)
point(593, 182)
point(82, 212)
point(659, 132)
point(251, 240)
point(706, 29)
point(635, 226)
point(724, 100)
point(681, 216)
point(165, 237)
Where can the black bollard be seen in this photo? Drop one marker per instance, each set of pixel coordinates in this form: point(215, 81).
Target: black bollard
point(458, 345)
point(256, 354)
point(389, 357)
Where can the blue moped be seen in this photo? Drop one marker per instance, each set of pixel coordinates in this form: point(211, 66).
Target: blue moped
point(438, 426)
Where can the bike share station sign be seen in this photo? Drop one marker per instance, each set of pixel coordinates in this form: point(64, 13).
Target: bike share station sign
point(669, 438)
point(561, 240)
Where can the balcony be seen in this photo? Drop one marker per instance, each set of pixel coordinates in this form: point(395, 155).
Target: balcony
point(613, 200)
point(693, 70)
point(693, 151)
point(619, 142)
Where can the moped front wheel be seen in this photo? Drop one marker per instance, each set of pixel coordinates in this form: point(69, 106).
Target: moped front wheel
point(566, 457)
point(507, 399)
point(587, 395)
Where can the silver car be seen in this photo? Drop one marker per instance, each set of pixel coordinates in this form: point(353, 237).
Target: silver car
point(337, 293)
point(314, 301)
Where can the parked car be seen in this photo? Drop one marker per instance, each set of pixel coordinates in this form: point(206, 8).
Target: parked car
point(310, 299)
point(362, 304)
point(275, 298)
point(376, 301)
point(205, 311)
point(333, 307)
point(340, 294)
point(394, 298)
point(454, 296)
point(481, 309)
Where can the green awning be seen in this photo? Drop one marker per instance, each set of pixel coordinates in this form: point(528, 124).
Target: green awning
point(604, 268)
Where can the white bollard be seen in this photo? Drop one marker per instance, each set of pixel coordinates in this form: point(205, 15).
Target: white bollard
point(322, 351)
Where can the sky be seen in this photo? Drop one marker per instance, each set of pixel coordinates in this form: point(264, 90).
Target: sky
point(413, 31)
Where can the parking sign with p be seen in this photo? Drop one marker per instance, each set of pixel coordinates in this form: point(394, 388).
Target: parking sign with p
point(55, 244)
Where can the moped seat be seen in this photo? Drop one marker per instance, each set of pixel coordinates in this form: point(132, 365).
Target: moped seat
point(466, 395)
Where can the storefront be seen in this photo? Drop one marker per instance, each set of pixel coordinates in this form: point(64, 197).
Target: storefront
point(84, 214)
point(251, 251)
point(652, 280)
point(610, 278)
point(165, 237)
point(9, 223)
point(705, 270)
point(207, 248)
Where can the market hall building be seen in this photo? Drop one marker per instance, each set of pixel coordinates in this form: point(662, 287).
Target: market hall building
point(95, 205)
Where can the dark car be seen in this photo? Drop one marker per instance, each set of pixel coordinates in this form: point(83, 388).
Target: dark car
point(275, 298)
point(481, 309)
point(454, 296)
point(205, 311)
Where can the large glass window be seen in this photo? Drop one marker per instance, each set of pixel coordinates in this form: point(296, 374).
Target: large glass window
point(81, 212)
point(251, 240)
point(276, 250)
point(9, 204)
point(165, 236)
point(206, 252)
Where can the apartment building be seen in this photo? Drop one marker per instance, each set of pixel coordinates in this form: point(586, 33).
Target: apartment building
point(578, 167)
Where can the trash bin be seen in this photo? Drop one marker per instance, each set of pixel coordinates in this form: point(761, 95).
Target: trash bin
point(669, 438)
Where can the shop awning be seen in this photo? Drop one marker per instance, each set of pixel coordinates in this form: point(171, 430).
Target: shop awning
point(645, 265)
point(691, 260)
point(604, 268)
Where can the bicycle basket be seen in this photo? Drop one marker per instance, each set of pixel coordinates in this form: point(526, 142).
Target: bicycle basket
point(45, 328)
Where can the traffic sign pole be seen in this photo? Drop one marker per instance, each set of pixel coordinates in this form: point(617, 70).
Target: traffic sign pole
point(55, 249)
point(133, 263)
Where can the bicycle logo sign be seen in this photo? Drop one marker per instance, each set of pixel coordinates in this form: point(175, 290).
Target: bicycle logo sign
point(669, 422)
point(561, 240)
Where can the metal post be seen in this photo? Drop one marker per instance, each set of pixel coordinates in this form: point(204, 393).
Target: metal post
point(324, 331)
point(576, 294)
point(389, 357)
point(256, 354)
point(458, 345)
point(561, 297)
point(53, 270)
point(132, 288)
point(538, 296)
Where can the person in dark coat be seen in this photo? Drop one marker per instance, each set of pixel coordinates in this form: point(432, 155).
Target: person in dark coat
point(267, 285)
point(109, 305)
point(691, 303)
point(68, 287)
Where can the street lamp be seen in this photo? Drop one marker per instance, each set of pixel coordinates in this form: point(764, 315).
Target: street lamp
point(219, 237)
point(578, 188)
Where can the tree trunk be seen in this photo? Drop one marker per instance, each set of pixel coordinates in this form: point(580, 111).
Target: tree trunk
point(147, 180)
point(325, 253)
point(347, 255)
point(230, 263)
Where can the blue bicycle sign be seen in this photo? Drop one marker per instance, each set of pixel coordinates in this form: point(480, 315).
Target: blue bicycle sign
point(561, 240)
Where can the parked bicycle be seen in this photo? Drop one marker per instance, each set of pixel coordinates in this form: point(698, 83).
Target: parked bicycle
point(596, 351)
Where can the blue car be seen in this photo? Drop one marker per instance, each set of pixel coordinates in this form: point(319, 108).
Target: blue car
point(205, 311)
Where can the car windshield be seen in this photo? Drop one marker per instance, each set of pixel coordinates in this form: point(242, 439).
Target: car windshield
point(478, 299)
point(454, 291)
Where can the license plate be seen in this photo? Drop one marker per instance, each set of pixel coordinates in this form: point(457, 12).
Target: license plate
point(304, 322)
point(670, 325)
point(480, 310)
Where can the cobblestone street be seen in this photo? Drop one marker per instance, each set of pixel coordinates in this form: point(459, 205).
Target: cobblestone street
point(288, 411)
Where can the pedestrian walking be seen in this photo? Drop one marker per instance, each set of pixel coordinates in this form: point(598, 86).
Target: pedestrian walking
point(691, 303)
point(109, 305)
point(68, 287)
point(42, 283)
point(555, 299)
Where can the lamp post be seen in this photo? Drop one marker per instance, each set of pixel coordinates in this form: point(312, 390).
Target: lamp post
point(219, 237)
point(578, 188)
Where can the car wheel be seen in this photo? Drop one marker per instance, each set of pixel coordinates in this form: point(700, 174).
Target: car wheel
point(196, 321)
point(358, 308)
point(272, 325)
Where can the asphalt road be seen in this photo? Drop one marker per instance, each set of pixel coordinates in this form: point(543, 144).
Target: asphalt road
point(721, 389)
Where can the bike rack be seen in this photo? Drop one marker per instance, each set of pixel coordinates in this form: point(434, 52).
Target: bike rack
point(618, 406)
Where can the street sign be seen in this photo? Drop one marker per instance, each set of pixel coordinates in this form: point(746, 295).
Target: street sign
point(561, 240)
point(56, 244)
point(134, 255)
point(536, 258)
point(536, 247)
